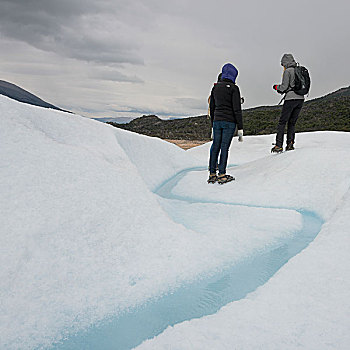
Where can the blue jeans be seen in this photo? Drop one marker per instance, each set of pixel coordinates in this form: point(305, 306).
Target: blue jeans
point(222, 136)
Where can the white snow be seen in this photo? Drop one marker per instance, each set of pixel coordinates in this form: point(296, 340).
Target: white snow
point(304, 306)
point(314, 178)
point(84, 237)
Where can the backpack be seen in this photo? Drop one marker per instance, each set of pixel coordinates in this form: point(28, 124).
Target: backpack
point(302, 80)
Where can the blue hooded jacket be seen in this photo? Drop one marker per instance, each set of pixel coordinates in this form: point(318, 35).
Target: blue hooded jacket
point(229, 71)
point(225, 98)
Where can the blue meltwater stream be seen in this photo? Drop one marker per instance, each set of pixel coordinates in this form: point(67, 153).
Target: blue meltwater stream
point(203, 297)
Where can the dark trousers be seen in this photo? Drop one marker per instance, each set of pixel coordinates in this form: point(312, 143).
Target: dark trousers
point(290, 113)
point(222, 136)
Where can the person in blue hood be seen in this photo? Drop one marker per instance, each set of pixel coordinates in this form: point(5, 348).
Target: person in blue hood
point(225, 113)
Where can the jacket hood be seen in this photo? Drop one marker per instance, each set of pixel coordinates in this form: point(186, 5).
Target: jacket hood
point(287, 60)
point(229, 71)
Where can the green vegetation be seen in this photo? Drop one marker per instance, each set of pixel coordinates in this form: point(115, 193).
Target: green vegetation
point(331, 112)
point(193, 128)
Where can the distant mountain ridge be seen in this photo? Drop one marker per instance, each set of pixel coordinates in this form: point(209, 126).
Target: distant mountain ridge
point(15, 92)
point(119, 120)
point(330, 112)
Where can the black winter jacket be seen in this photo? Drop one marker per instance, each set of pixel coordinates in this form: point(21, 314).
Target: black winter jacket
point(225, 103)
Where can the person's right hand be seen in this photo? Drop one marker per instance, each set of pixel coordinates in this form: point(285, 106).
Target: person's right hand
point(240, 135)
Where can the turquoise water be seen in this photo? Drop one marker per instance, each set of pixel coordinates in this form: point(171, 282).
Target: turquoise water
point(200, 298)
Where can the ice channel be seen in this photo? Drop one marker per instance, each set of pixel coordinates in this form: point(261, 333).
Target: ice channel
point(204, 297)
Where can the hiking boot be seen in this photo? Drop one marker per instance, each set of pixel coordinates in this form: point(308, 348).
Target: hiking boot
point(276, 149)
point(212, 179)
point(224, 178)
point(290, 146)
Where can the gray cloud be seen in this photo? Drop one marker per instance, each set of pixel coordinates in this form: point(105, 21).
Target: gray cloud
point(128, 58)
point(192, 103)
point(113, 75)
point(88, 31)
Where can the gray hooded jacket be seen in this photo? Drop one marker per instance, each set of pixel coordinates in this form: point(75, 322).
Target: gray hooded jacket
point(288, 78)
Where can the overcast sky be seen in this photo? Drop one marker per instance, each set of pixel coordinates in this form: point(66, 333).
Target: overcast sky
point(114, 58)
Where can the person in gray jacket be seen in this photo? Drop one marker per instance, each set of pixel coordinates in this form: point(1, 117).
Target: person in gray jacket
point(291, 107)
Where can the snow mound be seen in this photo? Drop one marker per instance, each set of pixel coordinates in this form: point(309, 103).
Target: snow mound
point(83, 235)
